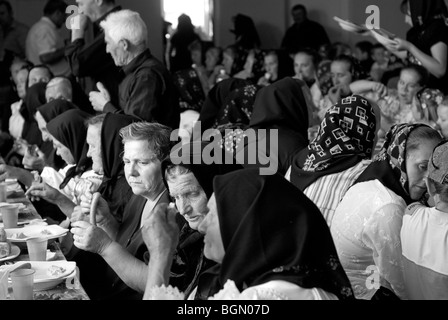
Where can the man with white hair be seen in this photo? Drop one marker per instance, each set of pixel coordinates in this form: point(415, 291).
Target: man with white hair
point(147, 90)
point(59, 88)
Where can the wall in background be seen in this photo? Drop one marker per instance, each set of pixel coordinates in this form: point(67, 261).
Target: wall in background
point(30, 11)
point(271, 17)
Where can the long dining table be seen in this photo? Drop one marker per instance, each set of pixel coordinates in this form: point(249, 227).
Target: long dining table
point(68, 289)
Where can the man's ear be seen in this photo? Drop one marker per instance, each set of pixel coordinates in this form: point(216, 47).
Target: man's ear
point(99, 3)
point(125, 44)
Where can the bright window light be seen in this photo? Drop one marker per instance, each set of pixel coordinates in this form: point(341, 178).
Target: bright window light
point(200, 12)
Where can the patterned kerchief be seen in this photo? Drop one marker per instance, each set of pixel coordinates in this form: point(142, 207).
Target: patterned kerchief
point(348, 129)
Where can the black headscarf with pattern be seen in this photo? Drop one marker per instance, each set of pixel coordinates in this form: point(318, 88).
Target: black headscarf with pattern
point(214, 101)
point(345, 137)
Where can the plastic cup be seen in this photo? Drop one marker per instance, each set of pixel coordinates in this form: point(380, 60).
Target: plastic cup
point(37, 249)
point(2, 192)
point(10, 215)
point(23, 284)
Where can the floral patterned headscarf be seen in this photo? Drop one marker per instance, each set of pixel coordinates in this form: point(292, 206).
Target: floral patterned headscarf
point(394, 151)
point(389, 165)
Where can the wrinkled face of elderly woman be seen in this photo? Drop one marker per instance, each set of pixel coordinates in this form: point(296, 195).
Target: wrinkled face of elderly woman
point(191, 200)
point(94, 152)
point(213, 245)
point(417, 167)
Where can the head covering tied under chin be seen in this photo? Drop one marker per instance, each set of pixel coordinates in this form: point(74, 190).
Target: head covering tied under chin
point(389, 165)
point(70, 130)
point(265, 242)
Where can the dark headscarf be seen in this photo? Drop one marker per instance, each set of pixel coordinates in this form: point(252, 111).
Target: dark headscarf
point(35, 97)
point(215, 100)
point(190, 89)
point(239, 58)
point(345, 137)
point(389, 165)
point(424, 12)
point(237, 108)
point(54, 108)
point(111, 152)
point(258, 66)
point(281, 108)
point(246, 34)
point(70, 130)
point(49, 111)
point(190, 155)
point(263, 242)
point(281, 105)
point(324, 76)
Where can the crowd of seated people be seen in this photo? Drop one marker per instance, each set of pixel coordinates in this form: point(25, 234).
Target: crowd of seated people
point(237, 171)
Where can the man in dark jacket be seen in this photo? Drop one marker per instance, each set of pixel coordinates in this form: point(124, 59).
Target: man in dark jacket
point(86, 53)
point(304, 33)
point(147, 90)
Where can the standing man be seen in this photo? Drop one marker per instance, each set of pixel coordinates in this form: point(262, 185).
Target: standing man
point(147, 90)
point(12, 33)
point(12, 45)
point(87, 57)
point(304, 33)
point(45, 44)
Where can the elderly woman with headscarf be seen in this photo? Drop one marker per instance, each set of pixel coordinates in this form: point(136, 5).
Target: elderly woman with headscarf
point(68, 134)
point(189, 180)
point(105, 150)
point(280, 120)
point(340, 152)
point(214, 102)
point(245, 234)
point(367, 222)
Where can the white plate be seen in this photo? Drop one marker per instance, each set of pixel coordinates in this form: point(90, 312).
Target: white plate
point(15, 252)
point(44, 281)
point(33, 231)
point(383, 36)
point(350, 26)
